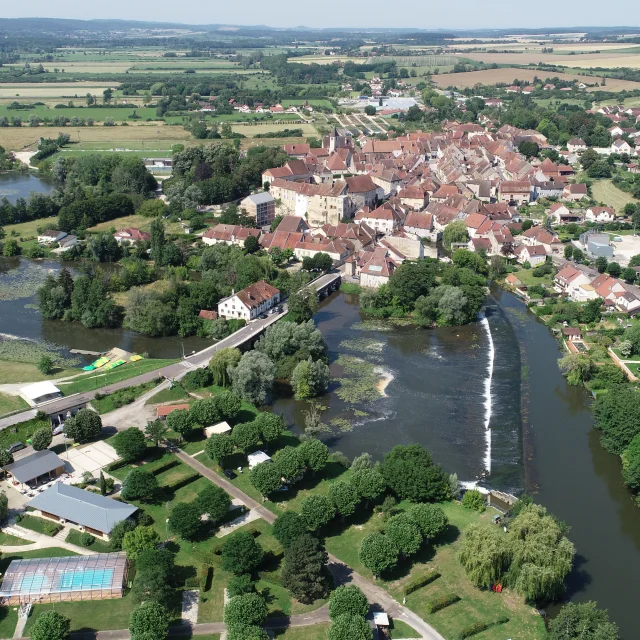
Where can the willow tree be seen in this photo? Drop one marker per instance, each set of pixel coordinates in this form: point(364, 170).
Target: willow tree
point(220, 364)
point(542, 556)
point(484, 554)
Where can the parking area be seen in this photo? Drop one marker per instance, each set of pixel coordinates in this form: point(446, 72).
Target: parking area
point(623, 251)
point(91, 457)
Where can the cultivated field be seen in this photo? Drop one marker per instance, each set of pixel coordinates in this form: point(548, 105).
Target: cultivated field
point(584, 61)
point(53, 89)
point(605, 191)
point(252, 129)
point(508, 74)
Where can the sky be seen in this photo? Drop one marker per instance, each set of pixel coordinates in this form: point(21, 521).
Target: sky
point(423, 14)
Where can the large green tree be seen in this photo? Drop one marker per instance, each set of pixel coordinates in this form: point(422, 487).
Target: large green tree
point(430, 518)
point(241, 553)
point(344, 496)
point(214, 501)
point(617, 415)
point(138, 540)
point(220, 364)
point(149, 620)
point(484, 553)
point(582, 621)
point(350, 627)
point(409, 470)
point(253, 377)
point(378, 553)
point(246, 609)
point(184, 520)
point(139, 484)
point(288, 527)
point(316, 511)
point(348, 599)
point(85, 425)
point(130, 444)
point(404, 533)
point(50, 625)
point(266, 477)
point(305, 571)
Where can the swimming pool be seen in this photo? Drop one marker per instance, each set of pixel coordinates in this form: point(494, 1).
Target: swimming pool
point(80, 580)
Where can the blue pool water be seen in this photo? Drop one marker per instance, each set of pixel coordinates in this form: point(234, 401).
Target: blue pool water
point(31, 583)
point(79, 580)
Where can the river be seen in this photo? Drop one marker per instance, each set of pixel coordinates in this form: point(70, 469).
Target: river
point(19, 317)
point(542, 438)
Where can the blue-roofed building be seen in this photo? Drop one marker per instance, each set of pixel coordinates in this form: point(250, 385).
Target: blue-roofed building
point(90, 511)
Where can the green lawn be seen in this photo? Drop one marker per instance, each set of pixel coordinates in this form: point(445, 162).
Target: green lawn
point(528, 279)
point(605, 191)
point(8, 621)
point(38, 525)
point(110, 402)
point(99, 615)
point(8, 540)
point(168, 395)
point(24, 431)
point(475, 604)
point(12, 371)
point(11, 403)
point(399, 629)
point(124, 372)
point(99, 546)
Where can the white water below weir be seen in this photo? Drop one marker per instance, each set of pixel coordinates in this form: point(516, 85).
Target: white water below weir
point(487, 394)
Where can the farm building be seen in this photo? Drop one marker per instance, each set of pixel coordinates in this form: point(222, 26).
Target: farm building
point(41, 580)
point(165, 410)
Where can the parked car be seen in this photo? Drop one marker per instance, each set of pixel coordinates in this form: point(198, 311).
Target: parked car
point(16, 446)
point(230, 474)
point(58, 430)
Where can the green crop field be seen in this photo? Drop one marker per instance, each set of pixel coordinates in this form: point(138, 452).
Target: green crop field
point(605, 191)
point(99, 114)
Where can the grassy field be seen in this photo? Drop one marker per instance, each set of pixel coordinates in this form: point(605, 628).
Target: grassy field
point(474, 605)
point(107, 404)
point(8, 621)
point(24, 431)
point(99, 546)
point(251, 129)
point(604, 60)
point(98, 615)
point(11, 372)
point(605, 191)
point(168, 395)
point(23, 90)
point(97, 113)
point(528, 279)
point(98, 379)
point(315, 632)
point(16, 138)
point(11, 403)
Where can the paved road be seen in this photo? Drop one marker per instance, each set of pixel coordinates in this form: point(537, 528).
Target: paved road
point(175, 371)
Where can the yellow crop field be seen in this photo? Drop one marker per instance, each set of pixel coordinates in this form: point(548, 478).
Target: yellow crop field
point(584, 61)
point(509, 74)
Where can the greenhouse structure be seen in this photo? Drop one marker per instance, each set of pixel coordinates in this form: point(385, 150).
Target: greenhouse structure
point(41, 580)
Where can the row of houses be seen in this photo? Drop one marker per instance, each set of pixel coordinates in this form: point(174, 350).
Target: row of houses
point(582, 285)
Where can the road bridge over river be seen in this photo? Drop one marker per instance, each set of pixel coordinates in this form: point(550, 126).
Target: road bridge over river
point(323, 285)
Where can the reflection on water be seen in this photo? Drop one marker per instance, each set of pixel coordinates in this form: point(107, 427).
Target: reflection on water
point(19, 317)
point(21, 185)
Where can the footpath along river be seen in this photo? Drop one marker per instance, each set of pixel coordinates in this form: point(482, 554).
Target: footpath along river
point(542, 436)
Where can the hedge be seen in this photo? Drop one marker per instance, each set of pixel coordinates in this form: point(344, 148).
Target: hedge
point(118, 464)
point(182, 482)
point(205, 582)
point(169, 464)
point(421, 581)
point(479, 627)
point(436, 604)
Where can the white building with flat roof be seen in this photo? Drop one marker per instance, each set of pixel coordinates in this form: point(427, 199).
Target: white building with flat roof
point(40, 392)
